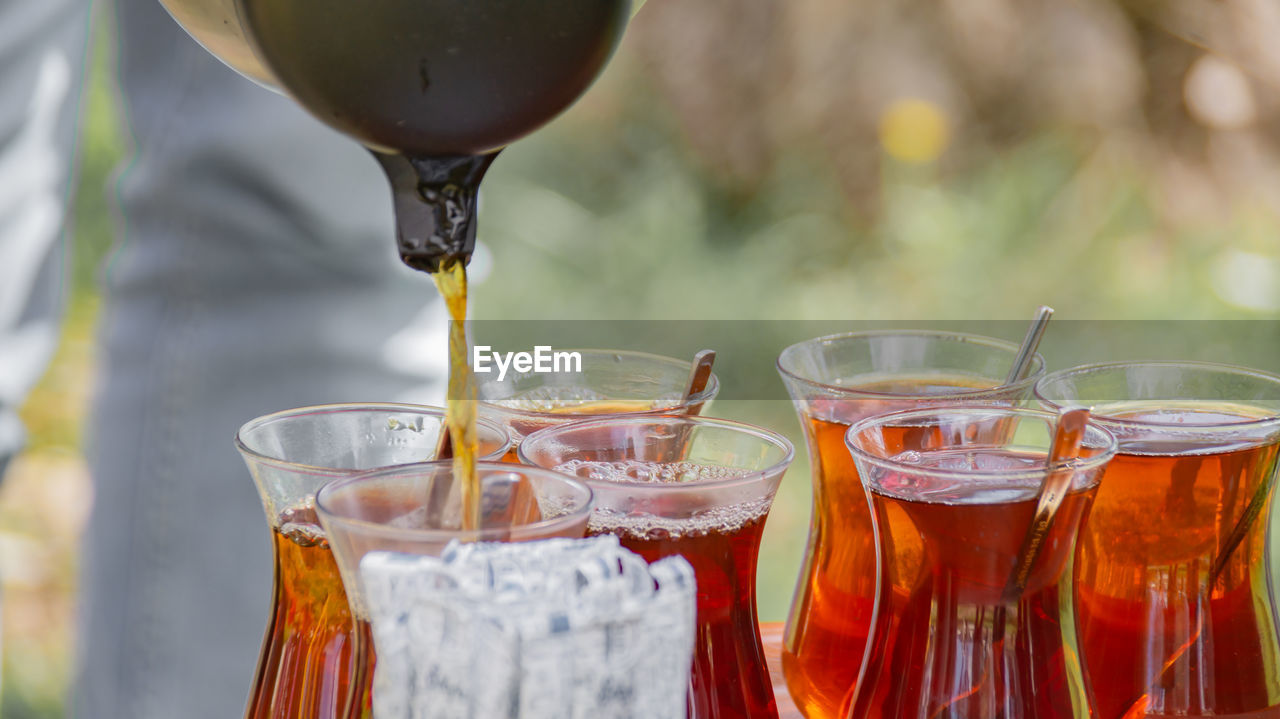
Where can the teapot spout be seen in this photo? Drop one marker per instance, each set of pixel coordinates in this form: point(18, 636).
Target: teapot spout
point(435, 206)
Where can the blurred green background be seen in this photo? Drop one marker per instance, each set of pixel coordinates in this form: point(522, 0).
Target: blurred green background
point(796, 159)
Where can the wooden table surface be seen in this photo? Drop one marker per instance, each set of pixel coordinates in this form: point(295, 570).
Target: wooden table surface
point(771, 634)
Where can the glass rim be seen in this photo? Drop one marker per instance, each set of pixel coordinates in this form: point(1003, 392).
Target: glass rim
point(1219, 367)
point(369, 528)
point(1038, 364)
point(1110, 444)
point(710, 391)
point(342, 408)
point(751, 477)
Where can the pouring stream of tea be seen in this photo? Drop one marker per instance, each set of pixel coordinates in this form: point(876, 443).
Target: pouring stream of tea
point(435, 203)
point(460, 413)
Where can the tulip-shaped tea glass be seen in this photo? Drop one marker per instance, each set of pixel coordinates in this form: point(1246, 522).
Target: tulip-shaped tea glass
point(834, 382)
point(306, 667)
point(965, 626)
point(416, 509)
point(696, 487)
point(611, 383)
point(1175, 599)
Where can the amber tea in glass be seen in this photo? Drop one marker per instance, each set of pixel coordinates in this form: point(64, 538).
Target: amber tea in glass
point(612, 383)
point(699, 488)
point(1176, 607)
point(309, 665)
point(964, 626)
point(836, 381)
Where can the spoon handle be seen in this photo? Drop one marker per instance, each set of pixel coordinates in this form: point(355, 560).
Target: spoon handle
point(1067, 438)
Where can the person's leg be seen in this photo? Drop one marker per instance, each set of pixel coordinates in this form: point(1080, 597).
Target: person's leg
point(257, 272)
point(42, 50)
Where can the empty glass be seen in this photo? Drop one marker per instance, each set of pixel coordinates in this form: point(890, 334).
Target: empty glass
point(965, 626)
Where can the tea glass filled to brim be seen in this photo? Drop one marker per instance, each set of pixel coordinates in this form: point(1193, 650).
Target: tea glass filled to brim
point(305, 667)
point(696, 487)
point(1174, 575)
point(834, 381)
point(973, 615)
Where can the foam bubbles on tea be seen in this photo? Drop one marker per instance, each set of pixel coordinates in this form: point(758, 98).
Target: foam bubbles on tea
point(634, 470)
point(720, 520)
point(647, 526)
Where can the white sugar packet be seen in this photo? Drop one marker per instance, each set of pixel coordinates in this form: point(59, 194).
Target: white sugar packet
point(557, 629)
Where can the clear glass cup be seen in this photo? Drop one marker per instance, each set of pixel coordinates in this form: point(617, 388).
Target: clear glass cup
point(305, 667)
point(1176, 609)
point(612, 383)
point(959, 629)
point(416, 509)
point(835, 381)
point(696, 487)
